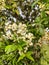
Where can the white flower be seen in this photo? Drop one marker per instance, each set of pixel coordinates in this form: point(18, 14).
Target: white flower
point(22, 29)
point(8, 34)
point(22, 37)
point(7, 23)
point(10, 27)
point(33, 24)
point(36, 8)
point(24, 25)
point(20, 52)
point(6, 28)
point(29, 36)
point(23, 16)
point(14, 27)
point(4, 36)
point(19, 31)
point(31, 12)
point(28, 0)
point(23, 33)
point(25, 49)
point(30, 44)
point(20, 25)
point(47, 29)
point(14, 19)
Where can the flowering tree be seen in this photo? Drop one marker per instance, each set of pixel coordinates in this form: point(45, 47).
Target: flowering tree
point(24, 32)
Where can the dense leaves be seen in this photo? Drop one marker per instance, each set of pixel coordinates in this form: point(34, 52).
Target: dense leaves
point(24, 32)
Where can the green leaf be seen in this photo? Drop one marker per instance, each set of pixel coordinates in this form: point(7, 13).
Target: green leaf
point(43, 62)
point(10, 48)
point(45, 52)
point(1, 63)
point(19, 47)
point(28, 55)
point(21, 57)
point(41, 30)
point(13, 61)
point(34, 3)
point(22, 43)
point(45, 1)
point(2, 44)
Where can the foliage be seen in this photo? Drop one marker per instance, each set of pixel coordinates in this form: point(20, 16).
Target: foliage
point(24, 32)
point(45, 57)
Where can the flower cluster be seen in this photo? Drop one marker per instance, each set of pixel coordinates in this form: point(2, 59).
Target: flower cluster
point(20, 31)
